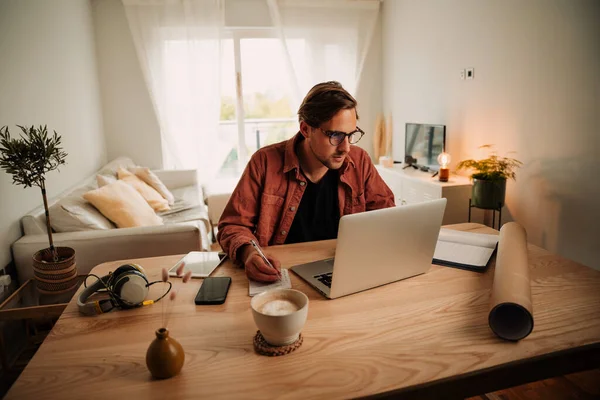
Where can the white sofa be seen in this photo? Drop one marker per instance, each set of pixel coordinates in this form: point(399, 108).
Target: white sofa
point(216, 196)
point(185, 228)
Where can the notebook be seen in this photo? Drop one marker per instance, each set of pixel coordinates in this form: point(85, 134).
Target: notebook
point(467, 250)
point(255, 288)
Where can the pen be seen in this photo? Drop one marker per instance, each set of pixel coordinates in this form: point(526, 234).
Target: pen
point(259, 250)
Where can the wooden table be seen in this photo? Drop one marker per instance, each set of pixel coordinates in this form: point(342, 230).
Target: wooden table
point(420, 337)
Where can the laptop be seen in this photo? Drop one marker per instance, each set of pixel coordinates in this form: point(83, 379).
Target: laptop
point(377, 247)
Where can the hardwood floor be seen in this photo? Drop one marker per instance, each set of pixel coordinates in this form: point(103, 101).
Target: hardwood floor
point(582, 385)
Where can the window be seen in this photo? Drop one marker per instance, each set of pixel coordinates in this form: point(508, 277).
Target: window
point(256, 59)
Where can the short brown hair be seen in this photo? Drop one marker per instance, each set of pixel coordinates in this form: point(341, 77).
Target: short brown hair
point(323, 101)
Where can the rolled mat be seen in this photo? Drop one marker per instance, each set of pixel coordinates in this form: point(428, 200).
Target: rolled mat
point(511, 312)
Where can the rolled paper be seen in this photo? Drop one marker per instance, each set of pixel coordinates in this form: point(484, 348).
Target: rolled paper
point(511, 312)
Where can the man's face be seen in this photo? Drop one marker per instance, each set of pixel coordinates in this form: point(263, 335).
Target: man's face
point(331, 156)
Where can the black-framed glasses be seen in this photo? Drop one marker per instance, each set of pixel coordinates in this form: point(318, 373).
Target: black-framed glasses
point(337, 137)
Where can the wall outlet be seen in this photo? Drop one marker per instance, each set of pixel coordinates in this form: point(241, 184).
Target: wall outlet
point(470, 73)
point(463, 74)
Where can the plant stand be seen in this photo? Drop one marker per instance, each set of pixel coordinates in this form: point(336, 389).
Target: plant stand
point(499, 209)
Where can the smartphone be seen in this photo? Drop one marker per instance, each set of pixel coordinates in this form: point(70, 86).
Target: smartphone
point(213, 290)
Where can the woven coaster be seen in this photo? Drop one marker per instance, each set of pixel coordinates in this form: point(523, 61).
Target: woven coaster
point(262, 347)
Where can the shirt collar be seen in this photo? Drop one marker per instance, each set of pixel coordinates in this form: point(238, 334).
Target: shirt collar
point(291, 160)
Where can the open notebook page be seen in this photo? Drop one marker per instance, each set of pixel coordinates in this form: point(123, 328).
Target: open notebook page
point(464, 249)
point(462, 254)
point(475, 239)
point(255, 288)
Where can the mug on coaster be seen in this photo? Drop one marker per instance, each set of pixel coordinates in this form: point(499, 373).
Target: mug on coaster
point(280, 315)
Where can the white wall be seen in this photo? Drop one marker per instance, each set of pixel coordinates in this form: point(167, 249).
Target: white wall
point(369, 90)
point(48, 76)
point(130, 123)
point(536, 91)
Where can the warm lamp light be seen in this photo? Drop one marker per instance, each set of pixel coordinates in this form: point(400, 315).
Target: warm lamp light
point(444, 160)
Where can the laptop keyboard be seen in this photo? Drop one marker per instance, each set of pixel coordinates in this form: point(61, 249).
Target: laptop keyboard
point(325, 279)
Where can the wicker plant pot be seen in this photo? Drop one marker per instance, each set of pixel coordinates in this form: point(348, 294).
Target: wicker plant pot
point(54, 277)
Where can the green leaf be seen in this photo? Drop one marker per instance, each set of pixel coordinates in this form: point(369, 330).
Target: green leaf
point(493, 167)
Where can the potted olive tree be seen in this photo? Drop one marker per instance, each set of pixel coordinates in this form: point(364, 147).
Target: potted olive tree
point(28, 158)
point(489, 178)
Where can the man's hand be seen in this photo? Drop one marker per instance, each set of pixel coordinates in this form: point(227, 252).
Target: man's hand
point(257, 269)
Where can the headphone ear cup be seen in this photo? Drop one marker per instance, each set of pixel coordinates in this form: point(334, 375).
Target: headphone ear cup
point(123, 269)
point(131, 289)
point(139, 268)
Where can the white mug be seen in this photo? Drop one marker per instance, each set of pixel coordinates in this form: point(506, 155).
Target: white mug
point(280, 315)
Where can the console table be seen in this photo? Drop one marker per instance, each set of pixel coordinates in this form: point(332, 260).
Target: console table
point(414, 186)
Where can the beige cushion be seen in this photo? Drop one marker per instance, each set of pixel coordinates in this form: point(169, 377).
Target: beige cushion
point(123, 205)
point(73, 214)
point(151, 179)
point(112, 167)
point(156, 201)
point(103, 180)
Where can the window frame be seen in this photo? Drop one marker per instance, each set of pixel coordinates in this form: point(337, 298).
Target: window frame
point(237, 35)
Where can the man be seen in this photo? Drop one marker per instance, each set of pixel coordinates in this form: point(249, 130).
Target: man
point(296, 190)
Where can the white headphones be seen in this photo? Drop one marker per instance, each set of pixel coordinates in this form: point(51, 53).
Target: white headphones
point(127, 288)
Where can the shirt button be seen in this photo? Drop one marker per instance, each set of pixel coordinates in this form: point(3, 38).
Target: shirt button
point(292, 208)
point(302, 183)
point(283, 232)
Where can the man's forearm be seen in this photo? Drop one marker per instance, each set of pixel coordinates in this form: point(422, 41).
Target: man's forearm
point(243, 253)
point(234, 241)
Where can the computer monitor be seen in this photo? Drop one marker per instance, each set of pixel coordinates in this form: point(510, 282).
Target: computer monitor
point(423, 144)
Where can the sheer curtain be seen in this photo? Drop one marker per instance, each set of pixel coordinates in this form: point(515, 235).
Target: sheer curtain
point(178, 43)
point(324, 39)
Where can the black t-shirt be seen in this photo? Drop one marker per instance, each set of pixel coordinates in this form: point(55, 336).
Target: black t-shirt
point(318, 213)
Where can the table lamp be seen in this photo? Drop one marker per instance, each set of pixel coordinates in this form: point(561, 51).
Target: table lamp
point(444, 160)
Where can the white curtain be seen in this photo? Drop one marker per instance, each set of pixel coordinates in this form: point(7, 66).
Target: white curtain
point(325, 39)
point(178, 46)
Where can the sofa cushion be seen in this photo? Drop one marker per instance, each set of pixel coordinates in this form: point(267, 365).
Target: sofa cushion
point(73, 213)
point(192, 213)
point(112, 167)
point(103, 180)
point(151, 179)
point(123, 205)
point(156, 201)
point(188, 206)
point(186, 197)
point(34, 222)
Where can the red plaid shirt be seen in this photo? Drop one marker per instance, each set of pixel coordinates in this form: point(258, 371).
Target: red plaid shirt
point(264, 203)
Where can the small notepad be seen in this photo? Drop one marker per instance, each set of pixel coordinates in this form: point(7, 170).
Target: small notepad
point(255, 288)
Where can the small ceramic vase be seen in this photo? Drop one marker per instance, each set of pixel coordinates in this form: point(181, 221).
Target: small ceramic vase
point(165, 356)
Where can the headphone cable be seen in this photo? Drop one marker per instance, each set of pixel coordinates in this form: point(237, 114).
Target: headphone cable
point(165, 293)
point(116, 298)
point(113, 296)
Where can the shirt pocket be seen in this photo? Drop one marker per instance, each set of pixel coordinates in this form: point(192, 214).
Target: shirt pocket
point(271, 207)
point(359, 203)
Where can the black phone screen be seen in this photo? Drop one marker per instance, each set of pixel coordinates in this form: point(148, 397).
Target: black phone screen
point(213, 290)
